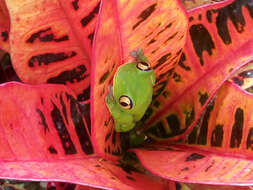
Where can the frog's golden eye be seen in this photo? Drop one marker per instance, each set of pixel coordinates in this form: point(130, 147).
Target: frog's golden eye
point(126, 102)
point(144, 66)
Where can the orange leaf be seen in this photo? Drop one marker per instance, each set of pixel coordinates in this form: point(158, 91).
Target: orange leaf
point(124, 26)
point(51, 41)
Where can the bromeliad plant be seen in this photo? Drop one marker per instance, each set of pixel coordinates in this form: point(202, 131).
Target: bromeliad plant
point(59, 132)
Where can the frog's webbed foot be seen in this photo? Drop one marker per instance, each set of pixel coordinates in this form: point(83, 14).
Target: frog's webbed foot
point(119, 127)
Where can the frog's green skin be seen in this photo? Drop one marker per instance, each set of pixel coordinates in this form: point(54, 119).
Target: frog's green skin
point(137, 85)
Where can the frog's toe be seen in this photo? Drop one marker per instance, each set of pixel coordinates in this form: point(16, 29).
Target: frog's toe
point(109, 99)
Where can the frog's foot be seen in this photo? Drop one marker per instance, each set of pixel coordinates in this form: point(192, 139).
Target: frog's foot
point(109, 98)
point(124, 127)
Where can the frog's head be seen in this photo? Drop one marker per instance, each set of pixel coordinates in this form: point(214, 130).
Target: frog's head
point(133, 86)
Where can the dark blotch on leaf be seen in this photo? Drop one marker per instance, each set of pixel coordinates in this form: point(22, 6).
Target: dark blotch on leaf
point(85, 111)
point(211, 165)
point(209, 16)
point(200, 17)
point(194, 157)
point(189, 117)
point(145, 14)
point(81, 131)
point(85, 95)
point(130, 178)
point(72, 76)
point(86, 20)
point(162, 60)
point(52, 150)
point(170, 37)
point(202, 41)
point(203, 97)
point(166, 27)
point(48, 58)
point(193, 135)
point(237, 129)
point(151, 41)
point(108, 135)
point(62, 131)
point(173, 123)
point(158, 130)
point(46, 35)
point(202, 138)
point(75, 4)
point(5, 35)
point(250, 139)
point(64, 109)
point(104, 77)
point(217, 136)
point(43, 120)
point(91, 36)
point(185, 169)
point(232, 13)
point(181, 62)
point(176, 77)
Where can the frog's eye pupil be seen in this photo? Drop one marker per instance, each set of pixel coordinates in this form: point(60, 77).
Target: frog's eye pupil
point(144, 66)
point(126, 102)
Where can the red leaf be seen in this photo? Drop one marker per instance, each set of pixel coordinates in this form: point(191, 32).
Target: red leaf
point(45, 137)
point(220, 150)
point(219, 42)
point(124, 26)
point(4, 27)
point(52, 121)
point(50, 41)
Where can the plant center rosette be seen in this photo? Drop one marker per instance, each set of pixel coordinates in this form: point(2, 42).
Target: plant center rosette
point(182, 119)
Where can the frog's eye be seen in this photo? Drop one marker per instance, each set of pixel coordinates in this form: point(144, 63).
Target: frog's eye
point(144, 66)
point(126, 102)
